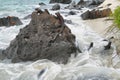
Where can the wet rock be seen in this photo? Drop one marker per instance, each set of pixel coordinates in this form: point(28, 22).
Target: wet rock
point(107, 47)
point(85, 15)
point(72, 13)
point(90, 3)
point(27, 17)
point(1, 56)
point(42, 4)
point(61, 1)
point(91, 45)
point(10, 21)
point(96, 14)
point(68, 21)
point(45, 37)
point(56, 7)
point(71, 6)
point(96, 2)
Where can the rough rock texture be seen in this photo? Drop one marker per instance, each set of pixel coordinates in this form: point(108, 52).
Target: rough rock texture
point(86, 3)
point(90, 3)
point(27, 17)
point(61, 1)
point(96, 14)
point(56, 7)
point(10, 21)
point(45, 37)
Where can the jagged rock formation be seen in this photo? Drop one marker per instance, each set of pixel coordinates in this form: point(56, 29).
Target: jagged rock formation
point(10, 21)
point(45, 37)
point(96, 14)
point(61, 1)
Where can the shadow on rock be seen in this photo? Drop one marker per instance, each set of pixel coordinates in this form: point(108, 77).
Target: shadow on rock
point(45, 37)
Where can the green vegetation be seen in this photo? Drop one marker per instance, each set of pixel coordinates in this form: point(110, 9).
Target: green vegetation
point(116, 16)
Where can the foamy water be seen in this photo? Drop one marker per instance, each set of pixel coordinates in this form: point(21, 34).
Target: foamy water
point(95, 64)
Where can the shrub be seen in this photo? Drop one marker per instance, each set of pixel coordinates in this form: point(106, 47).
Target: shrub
point(116, 16)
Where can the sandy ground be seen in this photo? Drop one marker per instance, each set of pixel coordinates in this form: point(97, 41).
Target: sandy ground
point(100, 25)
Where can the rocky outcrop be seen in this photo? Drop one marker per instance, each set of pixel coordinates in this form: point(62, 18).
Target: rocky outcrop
point(61, 1)
point(90, 3)
point(96, 14)
point(10, 21)
point(45, 37)
point(56, 7)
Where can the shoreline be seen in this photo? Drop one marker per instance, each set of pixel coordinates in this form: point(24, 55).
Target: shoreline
point(100, 25)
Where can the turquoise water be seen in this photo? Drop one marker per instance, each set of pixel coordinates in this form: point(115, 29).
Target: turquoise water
point(18, 8)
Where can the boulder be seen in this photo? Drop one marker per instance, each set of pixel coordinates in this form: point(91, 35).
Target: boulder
point(42, 4)
point(90, 3)
point(56, 7)
point(72, 13)
point(61, 1)
point(45, 37)
point(85, 15)
point(10, 21)
point(96, 14)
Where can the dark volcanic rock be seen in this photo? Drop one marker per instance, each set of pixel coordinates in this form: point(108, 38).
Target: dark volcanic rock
point(86, 3)
point(72, 13)
point(10, 21)
point(56, 7)
point(61, 1)
point(45, 37)
point(90, 3)
point(42, 4)
point(96, 14)
point(85, 15)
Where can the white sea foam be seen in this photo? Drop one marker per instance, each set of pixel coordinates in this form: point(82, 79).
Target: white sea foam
point(88, 65)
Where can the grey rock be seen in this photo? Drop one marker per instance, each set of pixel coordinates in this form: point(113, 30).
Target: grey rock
point(61, 1)
point(27, 17)
point(72, 13)
point(56, 7)
point(38, 40)
point(90, 3)
point(10, 21)
point(68, 21)
point(85, 15)
point(96, 13)
point(42, 4)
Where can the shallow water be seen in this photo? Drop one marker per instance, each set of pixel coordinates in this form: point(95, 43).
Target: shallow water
point(95, 64)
